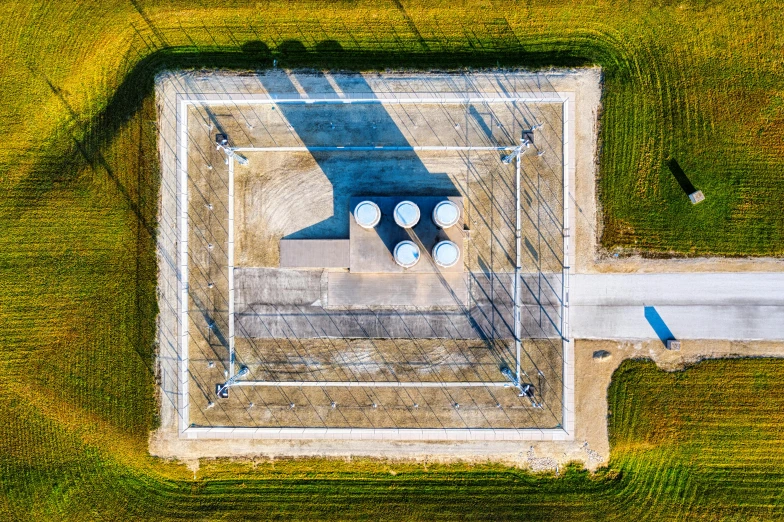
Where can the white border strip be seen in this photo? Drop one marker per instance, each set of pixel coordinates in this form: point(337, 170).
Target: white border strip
point(182, 136)
point(373, 384)
point(231, 265)
point(371, 101)
point(566, 341)
point(391, 434)
point(367, 148)
point(567, 430)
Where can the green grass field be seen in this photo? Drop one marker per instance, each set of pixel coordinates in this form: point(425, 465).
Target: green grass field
point(698, 82)
point(683, 448)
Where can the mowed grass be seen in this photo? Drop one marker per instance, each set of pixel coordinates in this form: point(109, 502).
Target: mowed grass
point(697, 82)
point(702, 444)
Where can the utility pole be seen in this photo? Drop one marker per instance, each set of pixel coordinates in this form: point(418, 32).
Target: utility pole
point(515, 155)
point(222, 390)
point(526, 390)
point(222, 143)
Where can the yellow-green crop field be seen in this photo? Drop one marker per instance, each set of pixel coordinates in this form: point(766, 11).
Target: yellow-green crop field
point(701, 83)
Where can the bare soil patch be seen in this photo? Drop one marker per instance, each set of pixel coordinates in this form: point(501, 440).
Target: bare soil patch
point(427, 361)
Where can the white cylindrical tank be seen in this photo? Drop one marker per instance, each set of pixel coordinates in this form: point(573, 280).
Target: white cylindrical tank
point(446, 254)
point(406, 254)
point(367, 214)
point(446, 214)
point(406, 214)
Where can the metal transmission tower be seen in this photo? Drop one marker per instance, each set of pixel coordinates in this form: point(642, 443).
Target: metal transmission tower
point(526, 390)
point(222, 143)
point(222, 390)
point(518, 151)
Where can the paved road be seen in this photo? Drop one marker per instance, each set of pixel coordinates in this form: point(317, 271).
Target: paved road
point(731, 306)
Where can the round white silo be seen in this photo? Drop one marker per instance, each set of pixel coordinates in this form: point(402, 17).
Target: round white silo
point(367, 214)
point(406, 254)
point(446, 254)
point(406, 214)
point(446, 214)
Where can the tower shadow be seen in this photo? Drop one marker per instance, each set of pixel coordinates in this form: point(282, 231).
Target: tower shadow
point(351, 173)
point(659, 326)
point(680, 176)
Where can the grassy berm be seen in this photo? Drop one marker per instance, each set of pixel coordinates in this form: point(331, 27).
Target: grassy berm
point(695, 87)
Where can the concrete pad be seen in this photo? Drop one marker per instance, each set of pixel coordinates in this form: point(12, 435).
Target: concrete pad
point(286, 322)
point(270, 286)
point(421, 290)
point(314, 253)
point(309, 322)
point(488, 313)
point(371, 249)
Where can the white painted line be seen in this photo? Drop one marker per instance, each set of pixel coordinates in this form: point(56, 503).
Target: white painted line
point(373, 384)
point(182, 263)
point(413, 434)
point(371, 101)
point(231, 266)
point(381, 148)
